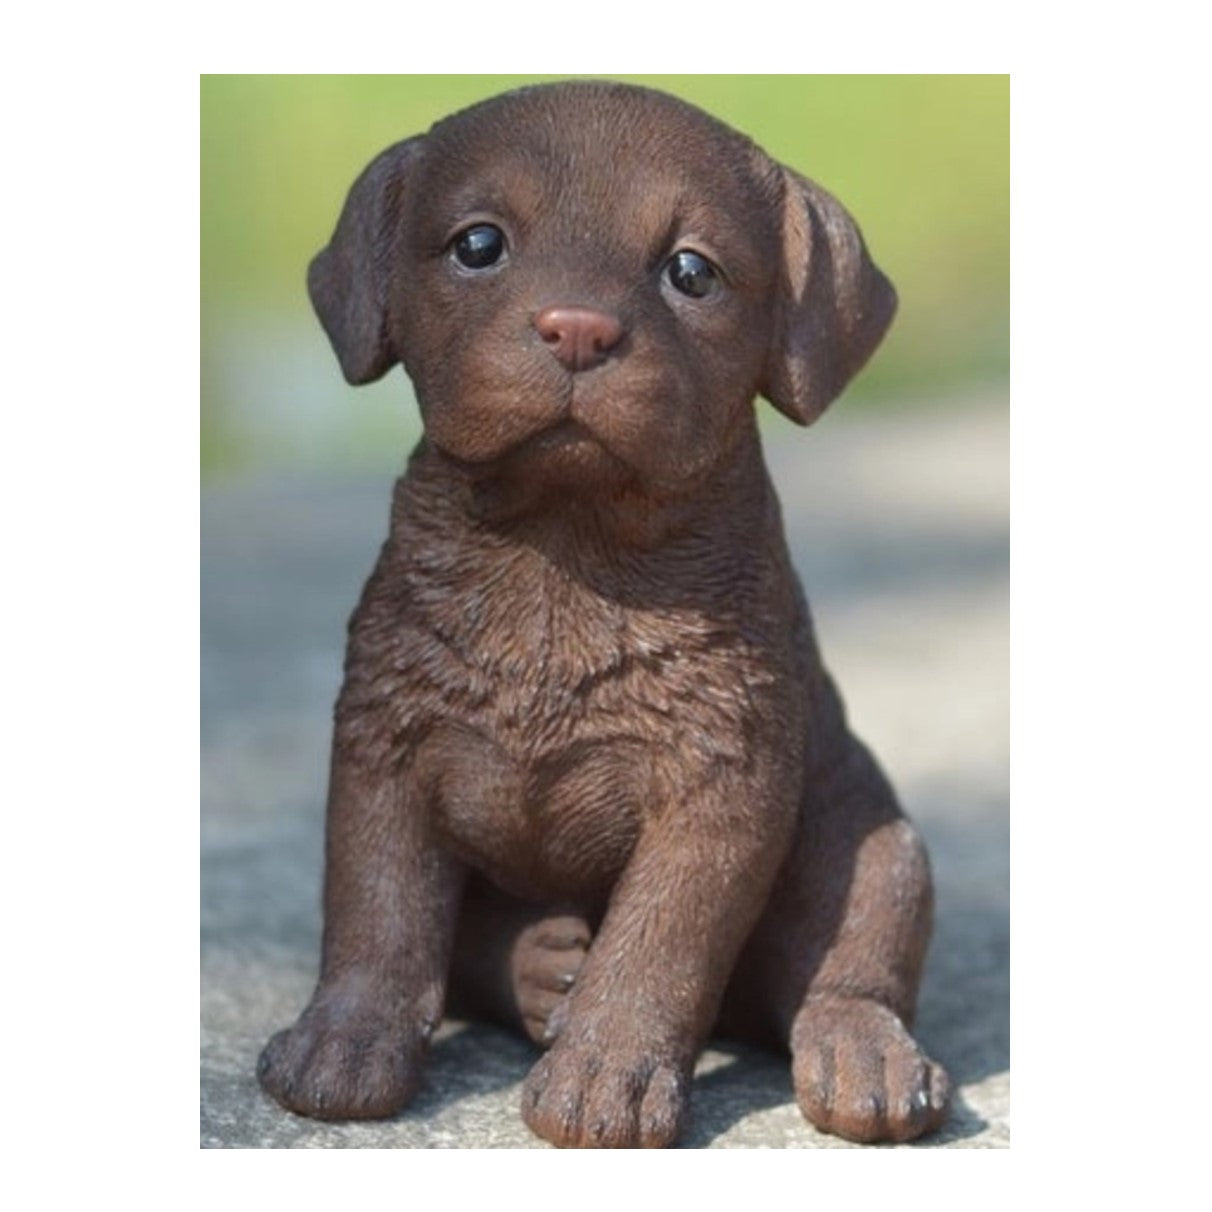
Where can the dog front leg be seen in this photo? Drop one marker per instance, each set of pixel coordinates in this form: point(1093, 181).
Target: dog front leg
point(390, 905)
point(619, 1072)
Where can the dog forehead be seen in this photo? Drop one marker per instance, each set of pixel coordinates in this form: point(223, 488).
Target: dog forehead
point(597, 154)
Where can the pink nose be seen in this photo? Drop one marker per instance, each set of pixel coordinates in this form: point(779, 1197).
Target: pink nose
point(578, 336)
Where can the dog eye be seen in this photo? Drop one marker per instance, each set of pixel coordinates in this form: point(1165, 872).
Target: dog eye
point(691, 274)
point(479, 247)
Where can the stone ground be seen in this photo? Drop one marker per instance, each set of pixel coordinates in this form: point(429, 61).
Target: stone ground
point(898, 524)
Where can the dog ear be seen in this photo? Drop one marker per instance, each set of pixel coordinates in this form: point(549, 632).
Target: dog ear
point(348, 280)
point(834, 304)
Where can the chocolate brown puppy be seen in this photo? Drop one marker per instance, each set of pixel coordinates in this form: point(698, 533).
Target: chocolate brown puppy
point(588, 769)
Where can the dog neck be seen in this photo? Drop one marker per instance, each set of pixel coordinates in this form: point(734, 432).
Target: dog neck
point(586, 582)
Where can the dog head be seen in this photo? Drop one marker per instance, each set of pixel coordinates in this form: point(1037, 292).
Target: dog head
point(591, 282)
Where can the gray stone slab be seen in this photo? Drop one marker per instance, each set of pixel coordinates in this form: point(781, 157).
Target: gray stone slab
point(897, 521)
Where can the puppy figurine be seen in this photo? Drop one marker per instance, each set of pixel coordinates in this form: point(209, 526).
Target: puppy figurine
point(588, 769)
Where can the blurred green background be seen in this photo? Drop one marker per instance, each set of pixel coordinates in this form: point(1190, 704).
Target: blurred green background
point(922, 162)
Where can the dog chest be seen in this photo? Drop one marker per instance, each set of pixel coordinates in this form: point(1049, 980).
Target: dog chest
point(546, 652)
point(561, 721)
point(556, 829)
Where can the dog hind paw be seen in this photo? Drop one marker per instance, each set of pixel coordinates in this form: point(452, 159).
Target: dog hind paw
point(544, 964)
point(859, 1074)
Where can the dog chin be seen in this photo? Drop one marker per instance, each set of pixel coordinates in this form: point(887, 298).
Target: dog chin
point(566, 455)
point(563, 455)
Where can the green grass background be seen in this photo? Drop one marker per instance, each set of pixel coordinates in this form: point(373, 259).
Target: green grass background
point(922, 162)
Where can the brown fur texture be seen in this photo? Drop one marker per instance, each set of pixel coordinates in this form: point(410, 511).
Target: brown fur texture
point(588, 769)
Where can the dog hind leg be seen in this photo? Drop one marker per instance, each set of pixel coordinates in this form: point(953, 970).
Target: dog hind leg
point(832, 969)
point(514, 962)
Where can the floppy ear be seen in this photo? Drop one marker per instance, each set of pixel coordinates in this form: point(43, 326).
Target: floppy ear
point(834, 304)
point(348, 280)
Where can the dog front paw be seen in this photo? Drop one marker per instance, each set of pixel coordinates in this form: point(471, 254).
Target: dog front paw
point(604, 1097)
point(343, 1062)
point(859, 1074)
